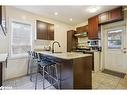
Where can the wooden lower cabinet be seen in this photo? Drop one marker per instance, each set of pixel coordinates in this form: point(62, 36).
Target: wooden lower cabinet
point(66, 84)
point(73, 74)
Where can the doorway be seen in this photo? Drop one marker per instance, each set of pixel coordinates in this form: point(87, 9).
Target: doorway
point(115, 47)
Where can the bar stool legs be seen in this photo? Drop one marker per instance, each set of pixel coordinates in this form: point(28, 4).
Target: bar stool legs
point(46, 73)
point(36, 78)
point(43, 78)
point(57, 76)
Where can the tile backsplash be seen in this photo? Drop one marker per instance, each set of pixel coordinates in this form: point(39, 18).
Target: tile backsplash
point(41, 44)
point(82, 42)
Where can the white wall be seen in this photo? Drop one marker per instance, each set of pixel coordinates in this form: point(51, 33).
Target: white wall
point(17, 67)
point(60, 29)
point(3, 42)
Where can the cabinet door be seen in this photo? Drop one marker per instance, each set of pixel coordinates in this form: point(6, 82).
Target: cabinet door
point(42, 28)
point(66, 70)
point(71, 41)
point(50, 31)
point(66, 84)
point(82, 29)
point(111, 16)
point(116, 14)
point(93, 27)
point(104, 17)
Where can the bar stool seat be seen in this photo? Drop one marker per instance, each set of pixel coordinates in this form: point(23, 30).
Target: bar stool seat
point(45, 63)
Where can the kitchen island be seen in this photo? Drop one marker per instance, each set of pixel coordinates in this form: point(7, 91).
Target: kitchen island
point(74, 69)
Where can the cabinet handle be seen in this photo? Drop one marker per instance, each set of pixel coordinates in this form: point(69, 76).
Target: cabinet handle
point(6, 63)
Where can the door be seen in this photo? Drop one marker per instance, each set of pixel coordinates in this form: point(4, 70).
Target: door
point(115, 57)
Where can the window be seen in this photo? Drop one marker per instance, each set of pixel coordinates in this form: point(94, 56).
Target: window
point(21, 38)
point(115, 39)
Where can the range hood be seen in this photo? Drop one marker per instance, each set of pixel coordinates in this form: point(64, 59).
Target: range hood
point(82, 34)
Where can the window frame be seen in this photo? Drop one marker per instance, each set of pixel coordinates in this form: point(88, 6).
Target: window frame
point(115, 40)
point(11, 38)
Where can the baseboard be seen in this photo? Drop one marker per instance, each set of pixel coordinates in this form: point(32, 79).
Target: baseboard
point(114, 73)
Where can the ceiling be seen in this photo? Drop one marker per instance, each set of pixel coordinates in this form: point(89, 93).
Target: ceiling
point(79, 14)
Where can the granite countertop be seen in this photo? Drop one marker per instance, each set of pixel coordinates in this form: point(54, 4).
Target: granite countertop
point(65, 55)
point(3, 57)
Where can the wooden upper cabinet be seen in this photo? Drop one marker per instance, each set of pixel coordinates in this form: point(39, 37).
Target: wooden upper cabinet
point(45, 31)
point(104, 17)
point(116, 14)
point(42, 29)
point(82, 29)
point(111, 16)
point(71, 41)
point(93, 27)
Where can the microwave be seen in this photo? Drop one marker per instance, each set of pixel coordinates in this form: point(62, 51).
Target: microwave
point(94, 43)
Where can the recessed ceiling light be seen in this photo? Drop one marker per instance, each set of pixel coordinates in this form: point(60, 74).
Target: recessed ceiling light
point(93, 9)
point(70, 19)
point(55, 13)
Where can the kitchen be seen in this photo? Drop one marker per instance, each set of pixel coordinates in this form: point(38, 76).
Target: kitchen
point(89, 45)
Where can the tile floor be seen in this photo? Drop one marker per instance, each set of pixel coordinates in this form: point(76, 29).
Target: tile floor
point(99, 81)
point(105, 81)
point(24, 83)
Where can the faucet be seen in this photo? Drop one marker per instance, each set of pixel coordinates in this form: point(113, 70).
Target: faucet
point(53, 45)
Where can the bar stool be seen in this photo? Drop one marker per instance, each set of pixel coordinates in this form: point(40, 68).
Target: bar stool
point(29, 61)
point(32, 64)
point(43, 65)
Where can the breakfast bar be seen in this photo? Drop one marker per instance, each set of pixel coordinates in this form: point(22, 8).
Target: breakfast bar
point(75, 69)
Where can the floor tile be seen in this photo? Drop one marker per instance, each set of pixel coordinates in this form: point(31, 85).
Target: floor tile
point(105, 87)
point(27, 86)
point(95, 85)
point(122, 83)
point(125, 77)
point(97, 79)
point(9, 84)
point(24, 83)
point(111, 82)
point(105, 81)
